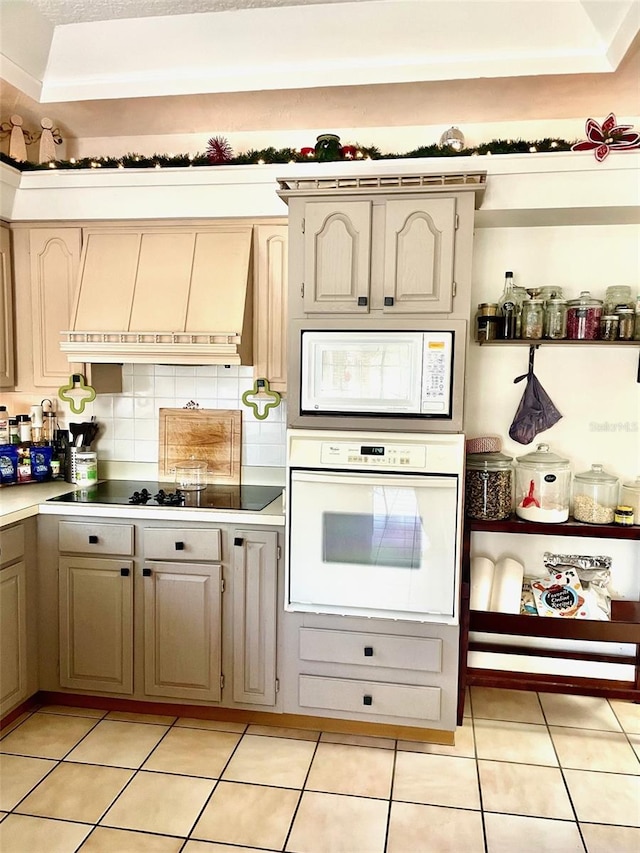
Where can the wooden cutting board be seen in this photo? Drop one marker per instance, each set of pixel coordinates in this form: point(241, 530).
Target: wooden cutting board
point(212, 435)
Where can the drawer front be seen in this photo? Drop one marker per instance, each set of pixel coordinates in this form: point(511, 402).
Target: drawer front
point(178, 543)
point(89, 538)
point(370, 697)
point(380, 650)
point(11, 544)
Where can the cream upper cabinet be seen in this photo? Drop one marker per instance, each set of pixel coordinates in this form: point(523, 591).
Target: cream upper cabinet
point(384, 245)
point(337, 249)
point(7, 375)
point(46, 269)
point(270, 264)
point(418, 260)
point(255, 608)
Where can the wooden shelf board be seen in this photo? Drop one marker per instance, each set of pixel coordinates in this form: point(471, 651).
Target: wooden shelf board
point(574, 685)
point(513, 524)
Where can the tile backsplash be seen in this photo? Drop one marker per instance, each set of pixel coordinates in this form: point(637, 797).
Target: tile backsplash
point(129, 425)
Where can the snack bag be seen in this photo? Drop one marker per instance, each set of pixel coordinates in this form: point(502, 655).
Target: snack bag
point(594, 573)
point(561, 594)
point(527, 600)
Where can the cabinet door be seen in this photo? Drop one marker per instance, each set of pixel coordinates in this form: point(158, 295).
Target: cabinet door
point(419, 252)
point(7, 377)
point(13, 636)
point(337, 246)
point(55, 259)
point(182, 630)
point(255, 561)
point(270, 314)
point(96, 624)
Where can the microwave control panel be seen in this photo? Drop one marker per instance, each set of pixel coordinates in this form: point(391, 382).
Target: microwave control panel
point(373, 455)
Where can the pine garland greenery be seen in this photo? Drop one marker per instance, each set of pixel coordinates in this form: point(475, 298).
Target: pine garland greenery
point(288, 155)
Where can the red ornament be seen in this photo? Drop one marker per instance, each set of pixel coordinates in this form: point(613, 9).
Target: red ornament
point(608, 137)
point(219, 151)
point(348, 152)
point(308, 152)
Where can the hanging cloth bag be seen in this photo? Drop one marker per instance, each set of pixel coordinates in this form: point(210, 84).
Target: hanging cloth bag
point(536, 411)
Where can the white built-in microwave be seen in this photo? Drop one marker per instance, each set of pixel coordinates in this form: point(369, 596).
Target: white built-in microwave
point(387, 378)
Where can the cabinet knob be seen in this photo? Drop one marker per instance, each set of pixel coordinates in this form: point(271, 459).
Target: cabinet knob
point(93, 539)
point(238, 541)
point(146, 573)
point(362, 300)
point(124, 573)
point(179, 546)
point(367, 700)
point(368, 651)
point(388, 300)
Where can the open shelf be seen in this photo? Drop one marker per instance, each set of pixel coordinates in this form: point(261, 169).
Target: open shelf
point(513, 524)
point(536, 342)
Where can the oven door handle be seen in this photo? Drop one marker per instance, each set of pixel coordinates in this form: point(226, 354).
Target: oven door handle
point(391, 478)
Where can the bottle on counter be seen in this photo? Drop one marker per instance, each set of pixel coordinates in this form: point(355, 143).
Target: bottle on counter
point(4, 425)
point(49, 427)
point(14, 432)
point(509, 308)
point(36, 424)
point(24, 428)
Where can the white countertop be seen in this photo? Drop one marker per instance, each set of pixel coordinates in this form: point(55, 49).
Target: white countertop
point(23, 501)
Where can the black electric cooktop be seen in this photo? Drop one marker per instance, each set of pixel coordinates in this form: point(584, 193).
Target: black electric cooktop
point(137, 493)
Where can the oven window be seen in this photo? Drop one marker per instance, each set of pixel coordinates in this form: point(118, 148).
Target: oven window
point(390, 535)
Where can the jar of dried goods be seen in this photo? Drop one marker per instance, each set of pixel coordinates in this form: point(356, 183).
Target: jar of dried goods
point(583, 318)
point(595, 496)
point(555, 319)
point(543, 481)
point(532, 319)
point(626, 323)
point(617, 296)
point(609, 327)
point(488, 486)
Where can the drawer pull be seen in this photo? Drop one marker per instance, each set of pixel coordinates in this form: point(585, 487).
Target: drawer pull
point(388, 301)
point(368, 651)
point(179, 546)
point(367, 700)
point(146, 573)
point(93, 539)
point(124, 573)
point(238, 541)
point(362, 301)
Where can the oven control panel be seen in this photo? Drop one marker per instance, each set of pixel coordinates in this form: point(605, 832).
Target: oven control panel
point(373, 455)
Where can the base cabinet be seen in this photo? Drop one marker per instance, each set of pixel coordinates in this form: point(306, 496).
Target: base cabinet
point(18, 639)
point(150, 610)
point(13, 636)
point(372, 670)
point(182, 630)
point(255, 566)
point(96, 624)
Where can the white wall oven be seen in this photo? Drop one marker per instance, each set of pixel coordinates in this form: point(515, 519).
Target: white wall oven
point(374, 524)
point(400, 376)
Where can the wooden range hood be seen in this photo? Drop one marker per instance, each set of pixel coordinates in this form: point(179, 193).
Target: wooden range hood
point(163, 295)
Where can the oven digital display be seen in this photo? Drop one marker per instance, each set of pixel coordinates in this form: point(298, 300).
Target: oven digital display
point(372, 450)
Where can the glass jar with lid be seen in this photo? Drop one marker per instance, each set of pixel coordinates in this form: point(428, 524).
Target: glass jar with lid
point(532, 319)
point(609, 327)
point(583, 318)
point(488, 486)
point(626, 323)
point(543, 481)
point(555, 319)
point(617, 296)
point(595, 496)
point(630, 496)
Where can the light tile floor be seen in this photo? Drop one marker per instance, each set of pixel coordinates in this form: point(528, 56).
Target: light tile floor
point(529, 772)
